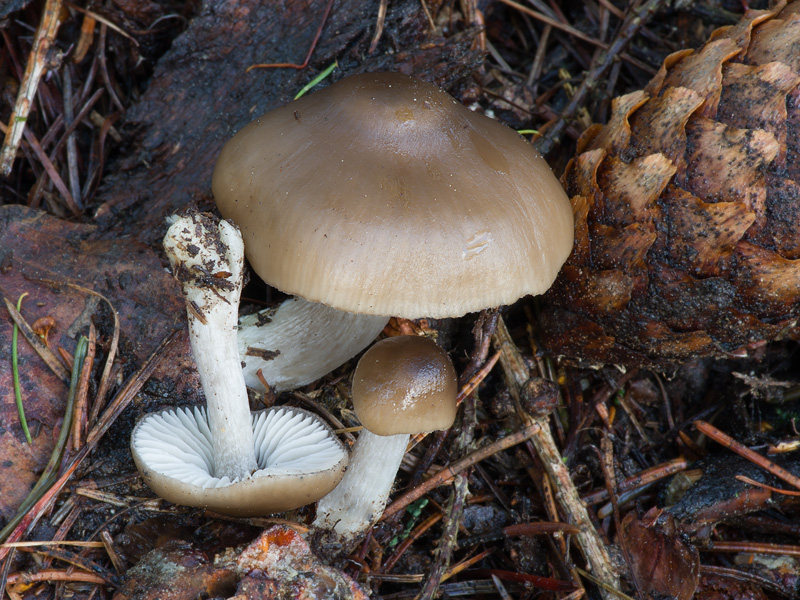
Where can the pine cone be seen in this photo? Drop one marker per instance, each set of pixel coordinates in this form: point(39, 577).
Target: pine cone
point(687, 207)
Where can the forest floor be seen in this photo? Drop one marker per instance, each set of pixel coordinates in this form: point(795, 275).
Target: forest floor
point(560, 479)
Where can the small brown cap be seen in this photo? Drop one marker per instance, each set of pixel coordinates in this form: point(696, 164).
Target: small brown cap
point(381, 194)
point(405, 384)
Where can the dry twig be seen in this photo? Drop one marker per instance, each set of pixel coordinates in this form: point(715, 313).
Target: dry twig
point(35, 68)
point(120, 401)
point(589, 541)
point(594, 77)
point(742, 450)
point(50, 359)
point(450, 471)
point(455, 508)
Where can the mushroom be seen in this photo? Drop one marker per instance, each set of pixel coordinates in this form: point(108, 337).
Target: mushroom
point(402, 385)
point(222, 457)
point(380, 196)
point(298, 460)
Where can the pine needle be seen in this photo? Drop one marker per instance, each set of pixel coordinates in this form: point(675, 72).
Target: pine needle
point(15, 371)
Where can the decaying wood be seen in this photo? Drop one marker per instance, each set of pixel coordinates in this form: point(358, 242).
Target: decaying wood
point(202, 91)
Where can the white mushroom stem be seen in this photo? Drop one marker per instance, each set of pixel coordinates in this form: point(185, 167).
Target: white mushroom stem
point(360, 498)
point(299, 341)
point(207, 258)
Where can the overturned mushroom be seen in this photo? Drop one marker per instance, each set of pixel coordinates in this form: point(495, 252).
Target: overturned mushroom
point(382, 196)
point(223, 458)
point(298, 460)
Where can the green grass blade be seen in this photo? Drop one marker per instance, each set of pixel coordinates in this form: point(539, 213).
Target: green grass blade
point(50, 473)
point(15, 372)
point(328, 70)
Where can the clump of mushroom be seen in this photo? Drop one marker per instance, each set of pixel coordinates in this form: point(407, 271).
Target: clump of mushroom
point(381, 196)
point(402, 385)
point(222, 457)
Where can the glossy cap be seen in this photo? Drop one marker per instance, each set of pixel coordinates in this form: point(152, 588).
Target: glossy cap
point(405, 384)
point(381, 194)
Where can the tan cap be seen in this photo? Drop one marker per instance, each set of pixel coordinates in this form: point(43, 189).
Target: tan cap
point(405, 384)
point(381, 194)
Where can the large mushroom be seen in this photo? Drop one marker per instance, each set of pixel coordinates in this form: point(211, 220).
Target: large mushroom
point(222, 457)
point(381, 196)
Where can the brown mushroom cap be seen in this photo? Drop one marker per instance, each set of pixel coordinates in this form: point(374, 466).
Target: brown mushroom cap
point(405, 384)
point(381, 194)
point(252, 497)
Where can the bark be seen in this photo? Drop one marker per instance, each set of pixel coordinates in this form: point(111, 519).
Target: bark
point(201, 92)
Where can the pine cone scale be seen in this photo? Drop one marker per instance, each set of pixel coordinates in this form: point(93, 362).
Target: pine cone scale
point(687, 207)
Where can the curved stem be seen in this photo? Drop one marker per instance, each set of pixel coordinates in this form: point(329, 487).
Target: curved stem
point(299, 341)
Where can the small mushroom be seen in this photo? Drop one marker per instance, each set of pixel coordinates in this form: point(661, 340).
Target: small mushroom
point(380, 196)
point(224, 458)
point(402, 385)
